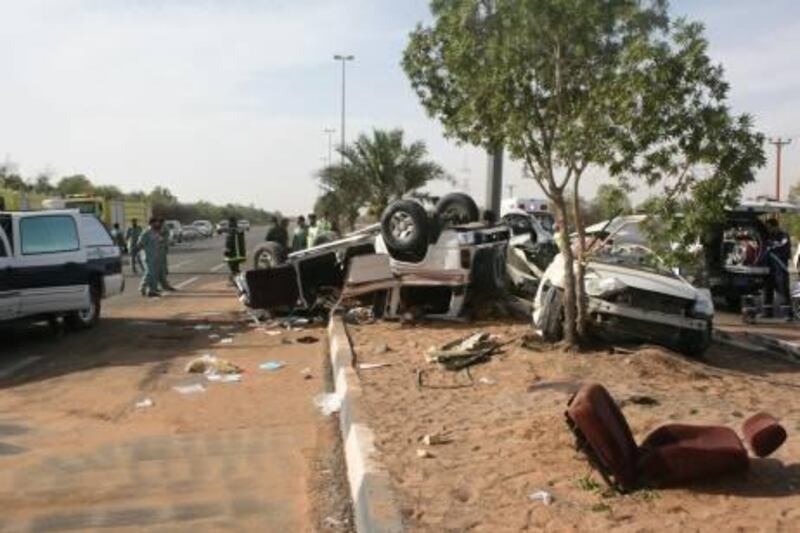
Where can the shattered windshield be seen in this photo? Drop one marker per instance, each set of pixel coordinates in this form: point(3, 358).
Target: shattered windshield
point(631, 256)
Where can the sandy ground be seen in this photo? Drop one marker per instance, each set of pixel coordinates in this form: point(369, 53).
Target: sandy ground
point(508, 438)
point(76, 452)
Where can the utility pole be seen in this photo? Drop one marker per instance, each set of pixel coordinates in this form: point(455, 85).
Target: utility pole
point(344, 59)
point(329, 132)
point(779, 144)
point(494, 180)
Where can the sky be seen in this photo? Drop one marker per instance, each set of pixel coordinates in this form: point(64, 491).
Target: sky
point(227, 100)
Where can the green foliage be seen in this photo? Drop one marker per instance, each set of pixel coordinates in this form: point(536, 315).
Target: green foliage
point(376, 170)
point(564, 85)
point(611, 201)
point(75, 184)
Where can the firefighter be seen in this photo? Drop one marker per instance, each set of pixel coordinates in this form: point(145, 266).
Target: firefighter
point(132, 238)
point(235, 253)
point(150, 244)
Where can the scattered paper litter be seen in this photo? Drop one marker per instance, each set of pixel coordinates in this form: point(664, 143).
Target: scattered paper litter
point(328, 403)
point(147, 402)
point(224, 378)
point(368, 366)
point(541, 496)
point(272, 333)
point(272, 365)
point(210, 364)
point(189, 389)
point(487, 381)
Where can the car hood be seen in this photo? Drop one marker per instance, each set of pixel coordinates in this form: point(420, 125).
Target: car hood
point(632, 277)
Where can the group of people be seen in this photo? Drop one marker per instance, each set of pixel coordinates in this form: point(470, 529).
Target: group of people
point(305, 234)
point(153, 244)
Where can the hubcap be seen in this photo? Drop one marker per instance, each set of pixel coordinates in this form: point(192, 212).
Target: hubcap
point(87, 314)
point(402, 226)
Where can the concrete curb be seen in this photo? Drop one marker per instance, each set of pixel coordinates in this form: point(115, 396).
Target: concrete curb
point(374, 504)
point(786, 350)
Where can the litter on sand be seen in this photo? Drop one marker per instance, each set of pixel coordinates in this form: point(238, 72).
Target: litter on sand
point(307, 339)
point(328, 403)
point(463, 353)
point(201, 327)
point(368, 366)
point(213, 336)
point(227, 340)
point(272, 365)
point(224, 378)
point(541, 496)
point(142, 404)
point(210, 364)
point(359, 316)
point(272, 332)
point(487, 381)
point(189, 389)
point(306, 373)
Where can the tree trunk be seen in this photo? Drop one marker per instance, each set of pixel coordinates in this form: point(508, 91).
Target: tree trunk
point(570, 334)
point(581, 321)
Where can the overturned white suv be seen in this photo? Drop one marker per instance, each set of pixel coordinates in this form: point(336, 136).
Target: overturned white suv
point(631, 297)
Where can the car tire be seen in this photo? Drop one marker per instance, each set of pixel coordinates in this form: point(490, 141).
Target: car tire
point(552, 317)
point(87, 318)
point(268, 255)
point(324, 238)
point(695, 343)
point(457, 208)
point(405, 228)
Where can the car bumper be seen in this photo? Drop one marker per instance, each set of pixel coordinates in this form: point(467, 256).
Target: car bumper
point(600, 308)
point(113, 284)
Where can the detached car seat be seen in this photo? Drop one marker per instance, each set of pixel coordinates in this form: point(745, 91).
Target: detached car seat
point(672, 454)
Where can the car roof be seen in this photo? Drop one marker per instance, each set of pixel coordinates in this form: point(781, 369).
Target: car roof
point(766, 205)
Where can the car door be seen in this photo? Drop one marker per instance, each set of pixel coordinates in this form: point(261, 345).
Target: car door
point(50, 263)
point(9, 292)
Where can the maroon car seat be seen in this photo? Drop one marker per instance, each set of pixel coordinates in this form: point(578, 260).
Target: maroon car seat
point(671, 454)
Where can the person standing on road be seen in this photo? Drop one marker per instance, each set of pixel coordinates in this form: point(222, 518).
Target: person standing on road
point(300, 237)
point(117, 237)
point(163, 269)
point(150, 244)
point(279, 232)
point(132, 238)
point(779, 249)
point(235, 253)
point(313, 230)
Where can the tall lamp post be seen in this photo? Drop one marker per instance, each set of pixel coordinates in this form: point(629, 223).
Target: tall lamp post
point(344, 59)
point(329, 132)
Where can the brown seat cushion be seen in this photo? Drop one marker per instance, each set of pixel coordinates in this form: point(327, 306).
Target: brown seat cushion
point(678, 453)
point(763, 434)
point(604, 435)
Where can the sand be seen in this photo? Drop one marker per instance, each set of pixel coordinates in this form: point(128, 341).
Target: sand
point(508, 438)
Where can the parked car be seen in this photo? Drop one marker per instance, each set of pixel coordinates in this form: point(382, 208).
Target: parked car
point(243, 224)
point(205, 227)
point(190, 233)
point(427, 260)
point(736, 250)
point(174, 228)
point(631, 296)
point(222, 227)
point(56, 264)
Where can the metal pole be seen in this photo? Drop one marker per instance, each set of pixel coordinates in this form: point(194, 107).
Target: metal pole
point(344, 59)
point(779, 144)
point(494, 181)
point(329, 132)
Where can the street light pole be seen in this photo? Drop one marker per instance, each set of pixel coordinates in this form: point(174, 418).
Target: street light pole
point(344, 59)
point(779, 144)
point(329, 132)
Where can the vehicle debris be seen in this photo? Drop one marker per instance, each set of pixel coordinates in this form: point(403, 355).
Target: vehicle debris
point(272, 365)
point(673, 454)
point(359, 316)
point(541, 496)
point(370, 366)
point(328, 403)
point(194, 388)
point(143, 404)
point(435, 439)
point(210, 364)
point(465, 352)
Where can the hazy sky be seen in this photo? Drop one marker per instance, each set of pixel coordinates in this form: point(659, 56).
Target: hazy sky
point(226, 100)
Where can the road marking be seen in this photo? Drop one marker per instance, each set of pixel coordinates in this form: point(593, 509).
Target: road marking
point(6, 372)
point(181, 264)
point(182, 284)
point(218, 267)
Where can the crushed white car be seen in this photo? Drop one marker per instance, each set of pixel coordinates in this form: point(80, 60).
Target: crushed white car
point(631, 297)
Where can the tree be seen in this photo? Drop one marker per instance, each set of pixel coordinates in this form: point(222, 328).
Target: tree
point(42, 184)
point(75, 184)
point(379, 169)
point(611, 201)
point(109, 191)
point(568, 84)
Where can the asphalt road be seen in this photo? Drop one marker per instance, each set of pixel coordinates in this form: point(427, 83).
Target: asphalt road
point(94, 433)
